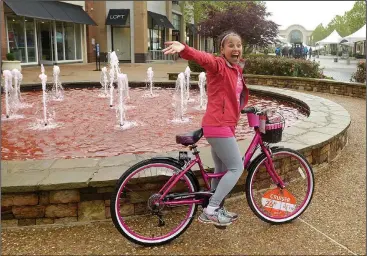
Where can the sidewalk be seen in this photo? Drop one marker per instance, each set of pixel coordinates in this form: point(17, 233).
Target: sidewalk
point(85, 72)
point(340, 70)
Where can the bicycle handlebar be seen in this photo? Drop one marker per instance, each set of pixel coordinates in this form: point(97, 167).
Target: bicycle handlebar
point(253, 110)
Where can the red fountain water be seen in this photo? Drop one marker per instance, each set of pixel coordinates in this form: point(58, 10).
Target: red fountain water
point(89, 127)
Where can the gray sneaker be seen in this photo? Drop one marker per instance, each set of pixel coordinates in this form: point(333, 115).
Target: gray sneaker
point(231, 215)
point(217, 218)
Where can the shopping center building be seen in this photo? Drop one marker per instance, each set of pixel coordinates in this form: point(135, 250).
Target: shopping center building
point(137, 30)
point(39, 32)
point(56, 32)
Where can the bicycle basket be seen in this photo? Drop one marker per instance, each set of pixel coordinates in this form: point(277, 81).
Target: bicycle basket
point(273, 130)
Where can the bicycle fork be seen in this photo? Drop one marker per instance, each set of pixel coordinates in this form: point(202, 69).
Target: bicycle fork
point(271, 169)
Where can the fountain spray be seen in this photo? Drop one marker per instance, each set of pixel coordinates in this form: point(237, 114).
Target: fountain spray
point(16, 92)
point(187, 76)
point(43, 78)
point(180, 100)
point(8, 77)
point(203, 97)
point(150, 75)
point(104, 80)
point(57, 88)
point(121, 80)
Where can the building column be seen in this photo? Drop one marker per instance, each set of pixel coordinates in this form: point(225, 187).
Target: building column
point(4, 45)
point(169, 16)
point(141, 34)
point(196, 41)
point(97, 11)
point(183, 24)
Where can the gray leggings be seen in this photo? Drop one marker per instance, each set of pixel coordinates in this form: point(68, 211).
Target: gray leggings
point(226, 156)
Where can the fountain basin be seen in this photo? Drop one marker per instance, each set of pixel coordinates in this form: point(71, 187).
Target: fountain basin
point(85, 125)
point(84, 186)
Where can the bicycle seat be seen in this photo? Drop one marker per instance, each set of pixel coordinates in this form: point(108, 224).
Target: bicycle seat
point(189, 138)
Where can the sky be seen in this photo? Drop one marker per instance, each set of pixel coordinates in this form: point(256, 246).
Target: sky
point(309, 14)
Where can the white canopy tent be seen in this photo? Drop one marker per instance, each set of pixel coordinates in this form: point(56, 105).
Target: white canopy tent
point(359, 35)
point(333, 38)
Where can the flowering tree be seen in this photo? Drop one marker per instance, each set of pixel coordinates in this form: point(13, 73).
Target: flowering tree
point(248, 20)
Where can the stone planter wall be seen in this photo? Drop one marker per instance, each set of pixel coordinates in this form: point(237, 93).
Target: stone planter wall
point(298, 83)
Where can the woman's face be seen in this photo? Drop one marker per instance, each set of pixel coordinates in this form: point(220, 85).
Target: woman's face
point(232, 49)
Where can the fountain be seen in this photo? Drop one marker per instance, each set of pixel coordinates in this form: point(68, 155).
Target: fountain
point(8, 77)
point(57, 89)
point(203, 97)
point(123, 96)
point(104, 82)
point(114, 72)
point(180, 100)
point(112, 75)
point(187, 81)
point(149, 81)
point(43, 78)
point(16, 100)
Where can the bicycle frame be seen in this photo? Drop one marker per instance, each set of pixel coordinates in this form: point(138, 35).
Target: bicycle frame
point(256, 141)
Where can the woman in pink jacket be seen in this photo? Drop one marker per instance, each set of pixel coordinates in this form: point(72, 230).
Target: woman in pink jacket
point(227, 95)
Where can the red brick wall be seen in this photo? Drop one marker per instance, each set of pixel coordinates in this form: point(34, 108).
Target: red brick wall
point(97, 11)
point(4, 46)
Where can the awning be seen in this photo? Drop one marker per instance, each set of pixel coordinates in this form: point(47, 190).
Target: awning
point(117, 16)
point(193, 28)
point(32, 9)
point(160, 20)
point(50, 11)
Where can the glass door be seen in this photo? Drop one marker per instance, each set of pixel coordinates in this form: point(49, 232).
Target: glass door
point(45, 42)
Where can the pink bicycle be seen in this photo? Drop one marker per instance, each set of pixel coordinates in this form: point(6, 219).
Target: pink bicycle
point(156, 200)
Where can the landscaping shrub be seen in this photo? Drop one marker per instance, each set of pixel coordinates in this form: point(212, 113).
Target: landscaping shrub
point(276, 66)
point(360, 75)
point(10, 56)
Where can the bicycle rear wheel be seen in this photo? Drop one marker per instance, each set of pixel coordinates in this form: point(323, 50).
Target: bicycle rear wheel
point(139, 215)
point(271, 203)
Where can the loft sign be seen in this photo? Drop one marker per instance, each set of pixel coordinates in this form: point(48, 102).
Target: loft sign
point(116, 16)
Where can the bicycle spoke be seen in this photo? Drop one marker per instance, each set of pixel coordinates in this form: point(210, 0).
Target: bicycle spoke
point(152, 219)
point(274, 203)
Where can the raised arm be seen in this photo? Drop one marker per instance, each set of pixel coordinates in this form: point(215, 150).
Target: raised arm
point(204, 59)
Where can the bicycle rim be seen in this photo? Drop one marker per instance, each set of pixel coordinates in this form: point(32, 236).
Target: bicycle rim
point(276, 205)
point(139, 218)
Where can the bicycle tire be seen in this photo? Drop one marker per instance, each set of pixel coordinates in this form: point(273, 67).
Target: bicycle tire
point(253, 169)
point(193, 183)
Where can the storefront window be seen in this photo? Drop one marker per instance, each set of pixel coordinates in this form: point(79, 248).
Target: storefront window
point(156, 36)
point(176, 21)
point(189, 37)
point(69, 41)
point(78, 41)
point(16, 37)
point(60, 41)
point(31, 39)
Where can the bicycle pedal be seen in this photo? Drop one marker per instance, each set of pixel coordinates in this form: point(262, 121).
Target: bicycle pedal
point(220, 227)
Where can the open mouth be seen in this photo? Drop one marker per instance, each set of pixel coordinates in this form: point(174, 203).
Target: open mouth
point(235, 56)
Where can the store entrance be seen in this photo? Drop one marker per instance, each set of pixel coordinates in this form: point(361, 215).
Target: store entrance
point(45, 42)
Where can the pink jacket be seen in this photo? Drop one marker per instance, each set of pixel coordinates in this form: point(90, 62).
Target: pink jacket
point(222, 108)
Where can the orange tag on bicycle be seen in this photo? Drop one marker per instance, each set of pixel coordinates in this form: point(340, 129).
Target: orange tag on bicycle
point(278, 202)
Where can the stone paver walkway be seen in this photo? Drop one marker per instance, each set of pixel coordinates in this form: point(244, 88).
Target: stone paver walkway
point(340, 70)
point(334, 224)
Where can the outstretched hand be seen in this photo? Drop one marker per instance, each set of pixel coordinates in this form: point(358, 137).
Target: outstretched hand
point(173, 47)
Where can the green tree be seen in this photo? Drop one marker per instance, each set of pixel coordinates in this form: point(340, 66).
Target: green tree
point(345, 25)
point(198, 10)
point(318, 34)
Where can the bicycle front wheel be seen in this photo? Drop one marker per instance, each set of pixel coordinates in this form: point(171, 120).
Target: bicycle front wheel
point(138, 213)
point(271, 203)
